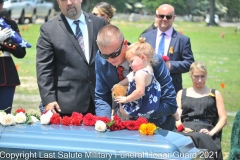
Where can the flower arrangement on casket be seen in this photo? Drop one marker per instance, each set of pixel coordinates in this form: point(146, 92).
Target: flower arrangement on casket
point(77, 119)
point(101, 123)
point(18, 117)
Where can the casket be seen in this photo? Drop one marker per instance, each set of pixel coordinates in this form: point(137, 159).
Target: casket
point(36, 141)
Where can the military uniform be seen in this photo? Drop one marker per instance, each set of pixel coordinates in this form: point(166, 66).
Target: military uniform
point(8, 73)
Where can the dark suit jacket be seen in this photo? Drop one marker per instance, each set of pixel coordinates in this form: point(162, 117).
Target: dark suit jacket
point(63, 73)
point(180, 59)
point(8, 72)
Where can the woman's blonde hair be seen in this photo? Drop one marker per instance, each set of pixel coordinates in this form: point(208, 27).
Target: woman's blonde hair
point(198, 65)
point(139, 48)
point(106, 8)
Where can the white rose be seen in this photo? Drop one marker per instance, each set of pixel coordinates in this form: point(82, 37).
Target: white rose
point(8, 120)
point(100, 126)
point(2, 113)
point(34, 119)
point(20, 117)
point(45, 118)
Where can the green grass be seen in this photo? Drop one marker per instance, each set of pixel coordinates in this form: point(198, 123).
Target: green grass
point(221, 55)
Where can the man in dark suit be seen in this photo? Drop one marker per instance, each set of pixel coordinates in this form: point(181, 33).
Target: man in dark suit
point(111, 54)
point(177, 46)
point(66, 52)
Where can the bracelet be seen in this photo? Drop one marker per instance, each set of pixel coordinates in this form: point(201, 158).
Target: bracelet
point(180, 128)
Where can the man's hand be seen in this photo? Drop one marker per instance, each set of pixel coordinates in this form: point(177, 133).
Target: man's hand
point(53, 107)
point(4, 34)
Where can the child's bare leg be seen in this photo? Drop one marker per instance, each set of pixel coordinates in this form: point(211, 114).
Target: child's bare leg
point(112, 114)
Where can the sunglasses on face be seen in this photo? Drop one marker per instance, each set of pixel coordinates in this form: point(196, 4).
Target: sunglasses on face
point(114, 54)
point(168, 17)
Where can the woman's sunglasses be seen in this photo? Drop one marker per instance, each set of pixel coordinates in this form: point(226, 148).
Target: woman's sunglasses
point(114, 54)
point(168, 17)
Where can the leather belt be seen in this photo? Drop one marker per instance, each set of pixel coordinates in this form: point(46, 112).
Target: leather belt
point(5, 54)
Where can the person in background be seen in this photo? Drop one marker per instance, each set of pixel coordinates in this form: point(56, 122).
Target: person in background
point(203, 112)
point(104, 10)
point(168, 42)
point(111, 57)
point(154, 24)
point(66, 50)
point(9, 78)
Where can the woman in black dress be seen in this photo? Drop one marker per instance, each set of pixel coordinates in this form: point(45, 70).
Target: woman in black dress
point(203, 113)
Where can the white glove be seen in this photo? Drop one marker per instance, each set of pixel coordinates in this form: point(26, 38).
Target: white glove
point(4, 34)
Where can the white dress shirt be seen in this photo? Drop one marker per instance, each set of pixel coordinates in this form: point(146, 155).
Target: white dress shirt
point(167, 38)
point(84, 29)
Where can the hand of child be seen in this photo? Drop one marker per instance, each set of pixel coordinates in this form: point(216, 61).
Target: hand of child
point(121, 99)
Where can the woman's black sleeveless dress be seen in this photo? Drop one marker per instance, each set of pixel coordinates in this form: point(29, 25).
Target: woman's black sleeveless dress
point(201, 113)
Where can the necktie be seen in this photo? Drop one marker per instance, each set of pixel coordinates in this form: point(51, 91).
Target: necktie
point(79, 35)
point(120, 72)
point(161, 45)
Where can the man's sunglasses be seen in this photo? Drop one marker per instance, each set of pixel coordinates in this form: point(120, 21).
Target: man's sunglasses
point(168, 17)
point(114, 54)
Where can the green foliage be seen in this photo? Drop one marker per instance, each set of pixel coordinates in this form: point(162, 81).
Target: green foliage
point(182, 7)
point(29, 119)
point(179, 5)
point(109, 124)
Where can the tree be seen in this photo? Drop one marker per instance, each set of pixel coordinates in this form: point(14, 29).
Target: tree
point(212, 12)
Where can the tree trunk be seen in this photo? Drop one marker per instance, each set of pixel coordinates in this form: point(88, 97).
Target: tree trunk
point(212, 12)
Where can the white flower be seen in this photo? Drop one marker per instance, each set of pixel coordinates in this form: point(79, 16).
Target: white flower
point(8, 120)
point(45, 118)
point(20, 117)
point(100, 126)
point(2, 113)
point(155, 99)
point(34, 119)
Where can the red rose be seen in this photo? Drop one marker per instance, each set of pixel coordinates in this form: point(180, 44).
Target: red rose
point(55, 119)
point(66, 121)
point(165, 58)
point(76, 114)
point(104, 119)
point(76, 121)
point(116, 119)
point(180, 128)
point(121, 125)
point(20, 110)
point(131, 125)
point(89, 120)
point(142, 120)
point(115, 127)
